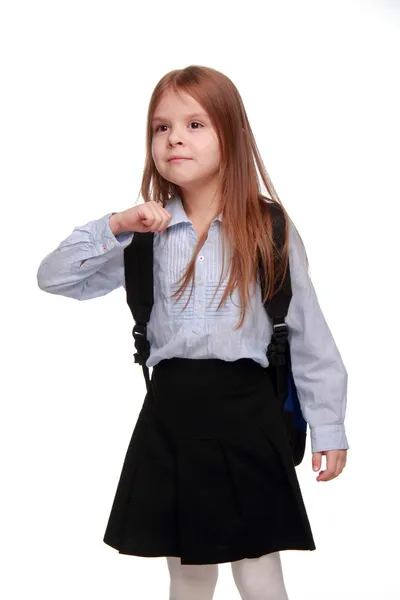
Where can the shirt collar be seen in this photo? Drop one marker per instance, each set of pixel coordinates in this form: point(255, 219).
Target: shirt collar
point(175, 208)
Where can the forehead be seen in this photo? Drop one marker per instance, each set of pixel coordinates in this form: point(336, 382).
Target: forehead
point(182, 105)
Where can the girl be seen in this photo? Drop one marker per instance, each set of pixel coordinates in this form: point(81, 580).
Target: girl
point(208, 476)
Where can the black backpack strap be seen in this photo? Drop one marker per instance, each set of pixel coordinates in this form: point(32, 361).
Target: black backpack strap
point(277, 309)
point(138, 261)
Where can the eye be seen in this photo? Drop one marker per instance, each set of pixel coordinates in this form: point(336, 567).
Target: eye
point(197, 123)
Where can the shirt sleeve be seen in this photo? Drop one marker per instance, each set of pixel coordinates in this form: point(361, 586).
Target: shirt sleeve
point(89, 263)
point(318, 370)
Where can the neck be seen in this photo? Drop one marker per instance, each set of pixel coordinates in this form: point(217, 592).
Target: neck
point(201, 205)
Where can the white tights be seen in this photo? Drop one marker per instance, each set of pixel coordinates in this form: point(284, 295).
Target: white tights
point(255, 578)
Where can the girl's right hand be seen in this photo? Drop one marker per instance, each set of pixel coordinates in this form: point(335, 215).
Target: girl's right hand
point(149, 216)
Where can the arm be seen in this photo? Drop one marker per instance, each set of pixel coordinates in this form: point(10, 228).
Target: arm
point(318, 370)
point(89, 263)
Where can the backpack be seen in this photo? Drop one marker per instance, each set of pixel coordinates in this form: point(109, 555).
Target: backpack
point(138, 262)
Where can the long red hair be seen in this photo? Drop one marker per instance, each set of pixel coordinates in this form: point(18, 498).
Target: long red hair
point(247, 218)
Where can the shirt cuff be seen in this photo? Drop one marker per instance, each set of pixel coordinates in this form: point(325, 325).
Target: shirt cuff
point(328, 437)
point(105, 240)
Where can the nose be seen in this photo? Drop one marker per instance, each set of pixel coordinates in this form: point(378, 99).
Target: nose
point(174, 138)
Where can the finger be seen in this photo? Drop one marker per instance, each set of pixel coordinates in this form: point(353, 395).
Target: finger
point(341, 463)
point(325, 476)
point(167, 214)
point(331, 465)
point(158, 218)
point(316, 460)
point(153, 218)
point(147, 214)
point(167, 218)
point(338, 471)
point(163, 218)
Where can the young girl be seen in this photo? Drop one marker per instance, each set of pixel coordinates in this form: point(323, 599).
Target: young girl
point(208, 476)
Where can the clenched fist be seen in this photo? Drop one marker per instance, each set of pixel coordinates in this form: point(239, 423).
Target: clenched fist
point(149, 216)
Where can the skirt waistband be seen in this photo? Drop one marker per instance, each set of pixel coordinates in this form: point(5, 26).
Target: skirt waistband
point(210, 394)
point(209, 365)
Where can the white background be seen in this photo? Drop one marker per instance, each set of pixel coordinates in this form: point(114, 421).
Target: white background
point(320, 84)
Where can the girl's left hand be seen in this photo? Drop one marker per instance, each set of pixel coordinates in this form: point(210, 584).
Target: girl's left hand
point(335, 463)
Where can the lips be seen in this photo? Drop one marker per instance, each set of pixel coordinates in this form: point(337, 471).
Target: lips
point(178, 159)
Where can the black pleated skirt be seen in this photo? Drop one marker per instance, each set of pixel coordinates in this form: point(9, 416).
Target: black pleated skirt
point(208, 475)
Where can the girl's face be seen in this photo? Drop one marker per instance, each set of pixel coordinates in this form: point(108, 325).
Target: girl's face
point(181, 127)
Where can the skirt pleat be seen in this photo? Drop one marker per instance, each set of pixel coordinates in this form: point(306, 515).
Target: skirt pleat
point(208, 474)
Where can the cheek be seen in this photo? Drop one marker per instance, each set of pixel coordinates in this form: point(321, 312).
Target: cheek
point(209, 148)
point(211, 155)
point(213, 149)
point(156, 154)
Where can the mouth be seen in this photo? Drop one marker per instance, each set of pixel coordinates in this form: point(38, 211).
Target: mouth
point(176, 160)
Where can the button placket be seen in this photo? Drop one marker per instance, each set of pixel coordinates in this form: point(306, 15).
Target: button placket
point(199, 294)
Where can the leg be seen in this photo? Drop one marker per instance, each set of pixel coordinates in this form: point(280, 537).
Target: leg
point(194, 582)
point(260, 578)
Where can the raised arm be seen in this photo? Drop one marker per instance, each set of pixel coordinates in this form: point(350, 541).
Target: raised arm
point(89, 263)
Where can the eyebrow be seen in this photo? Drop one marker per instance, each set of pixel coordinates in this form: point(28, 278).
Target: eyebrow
point(199, 115)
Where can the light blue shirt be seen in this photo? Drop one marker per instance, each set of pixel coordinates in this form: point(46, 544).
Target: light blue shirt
point(202, 331)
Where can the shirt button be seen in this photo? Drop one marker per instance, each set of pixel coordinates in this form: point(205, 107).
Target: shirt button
point(201, 258)
point(198, 305)
point(198, 282)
